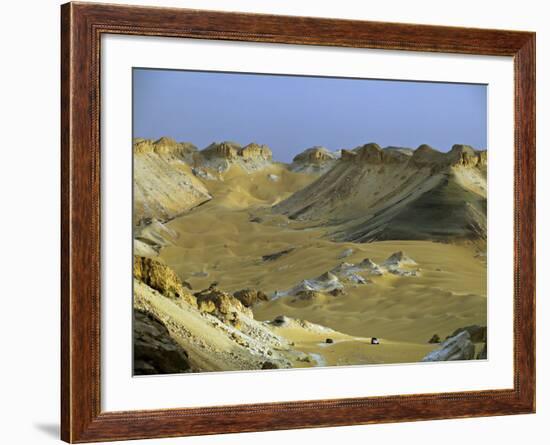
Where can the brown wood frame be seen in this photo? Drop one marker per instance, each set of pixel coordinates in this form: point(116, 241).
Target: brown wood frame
point(82, 25)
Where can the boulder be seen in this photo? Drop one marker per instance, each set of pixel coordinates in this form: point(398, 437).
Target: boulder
point(161, 278)
point(399, 259)
point(308, 295)
point(269, 365)
point(371, 267)
point(395, 262)
point(346, 253)
point(326, 282)
point(435, 339)
point(155, 352)
point(222, 305)
point(281, 320)
point(477, 333)
point(455, 348)
point(249, 297)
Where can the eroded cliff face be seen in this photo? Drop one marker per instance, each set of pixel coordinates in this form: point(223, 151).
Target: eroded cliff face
point(255, 151)
point(164, 146)
point(218, 158)
point(164, 185)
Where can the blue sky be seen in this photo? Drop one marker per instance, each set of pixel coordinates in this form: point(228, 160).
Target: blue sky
point(292, 113)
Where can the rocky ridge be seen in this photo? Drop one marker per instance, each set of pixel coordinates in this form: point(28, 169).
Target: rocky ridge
point(391, 194)
point(217, 158)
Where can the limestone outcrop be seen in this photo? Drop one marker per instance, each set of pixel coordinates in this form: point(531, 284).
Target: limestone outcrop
point(458, 347)
point(220, 157)
point(313, 160)
point(221, 304)
point(161, 278)
point(250, 297)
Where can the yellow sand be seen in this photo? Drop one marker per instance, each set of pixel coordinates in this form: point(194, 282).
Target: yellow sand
point(219, 243)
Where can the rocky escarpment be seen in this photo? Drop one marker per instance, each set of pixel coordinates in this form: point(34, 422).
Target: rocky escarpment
point(372, 153)
point(165, 147)
point(313, 160)
point(164, 185)
point(390, 194)
point(459, 155)
point(219, 157)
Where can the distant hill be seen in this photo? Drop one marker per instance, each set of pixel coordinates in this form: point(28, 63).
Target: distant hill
point(390, 194)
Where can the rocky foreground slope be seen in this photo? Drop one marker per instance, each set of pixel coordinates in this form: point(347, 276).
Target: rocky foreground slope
point(176, 330)
point(396, 194)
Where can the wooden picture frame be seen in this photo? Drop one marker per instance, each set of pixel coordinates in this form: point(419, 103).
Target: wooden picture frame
point(82, 25)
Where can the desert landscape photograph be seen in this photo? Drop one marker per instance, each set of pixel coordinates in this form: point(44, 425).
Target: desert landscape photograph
point(284, 221)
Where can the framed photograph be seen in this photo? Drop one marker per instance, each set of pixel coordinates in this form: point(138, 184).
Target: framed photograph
point(274, 222)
